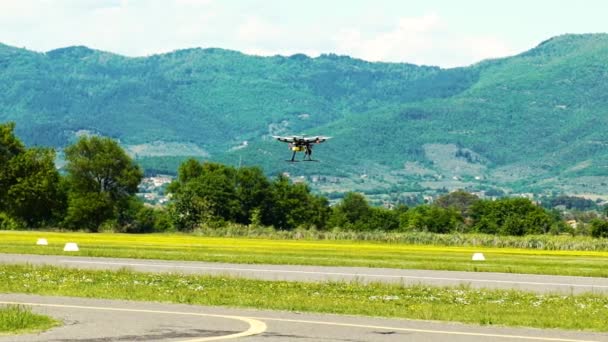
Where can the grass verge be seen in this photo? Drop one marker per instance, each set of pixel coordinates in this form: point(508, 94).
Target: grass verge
point(19, 320)
point(460, 304)
point(305, 252)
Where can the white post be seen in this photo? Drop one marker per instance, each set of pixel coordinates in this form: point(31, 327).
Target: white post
point(478, 257)
point(70, 247)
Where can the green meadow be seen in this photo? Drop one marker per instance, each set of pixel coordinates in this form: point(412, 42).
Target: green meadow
point(459, 304)
point(311, 252)
point(18, 320)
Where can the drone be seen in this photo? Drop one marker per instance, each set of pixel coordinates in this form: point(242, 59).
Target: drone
point(301, 144)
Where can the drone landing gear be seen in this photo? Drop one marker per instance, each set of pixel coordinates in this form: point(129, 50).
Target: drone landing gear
point(293, 157)
point(307, 156)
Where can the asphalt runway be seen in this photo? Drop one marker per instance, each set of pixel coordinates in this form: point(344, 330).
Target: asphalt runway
point(529, 282)
point(96, 320)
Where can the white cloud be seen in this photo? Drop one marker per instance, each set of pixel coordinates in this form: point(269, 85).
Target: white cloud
point(127, 27)
point(144, 27)
point(421, 40)
point(485, 47)
point(401, 42)
point(422, 24)
point(193, 2)
point(255, 29)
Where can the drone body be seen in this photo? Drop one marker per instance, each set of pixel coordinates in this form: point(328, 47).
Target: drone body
point(301, 144)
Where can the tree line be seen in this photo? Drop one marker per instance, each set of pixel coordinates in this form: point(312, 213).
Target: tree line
point(98, 187)
point(98, 191)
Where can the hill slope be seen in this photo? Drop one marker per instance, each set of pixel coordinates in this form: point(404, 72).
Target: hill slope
point(531, 122)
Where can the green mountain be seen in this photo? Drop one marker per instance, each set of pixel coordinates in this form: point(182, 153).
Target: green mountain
point(528, 123)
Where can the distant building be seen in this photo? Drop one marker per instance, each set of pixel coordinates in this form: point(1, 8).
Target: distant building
point(300, 179)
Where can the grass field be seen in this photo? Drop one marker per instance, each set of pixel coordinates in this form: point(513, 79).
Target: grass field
point(461, 304)
point(17, 320)
point(302, 252)
point(541, 242)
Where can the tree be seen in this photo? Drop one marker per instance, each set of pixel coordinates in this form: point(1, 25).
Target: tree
point(354, 213)
point(88, 210)
point(352, 209)
point(102, 179)
point(30, 186)
point(37, 196)
point(188, 170)
point(217, 186)
point(214, 193)
point(430, 218)
point(253, 192)
point(139, 217)
point(100, 165)
point(509, 216)
point(293, 205)
point(459, 200)
point(380, 218)
point(599, 228)
point(188, 208)
point(513, 225)
point(568, 202)
point(10, 147)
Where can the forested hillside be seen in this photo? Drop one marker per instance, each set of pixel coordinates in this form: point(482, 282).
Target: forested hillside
point(528, 123)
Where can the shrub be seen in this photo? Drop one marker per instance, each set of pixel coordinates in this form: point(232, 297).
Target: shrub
point(9, 223)
point(599, 228)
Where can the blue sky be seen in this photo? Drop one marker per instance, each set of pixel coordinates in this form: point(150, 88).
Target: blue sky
point(431, 32)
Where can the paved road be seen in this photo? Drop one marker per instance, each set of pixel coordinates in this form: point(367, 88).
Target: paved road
point(537, 283)
point(95, 320)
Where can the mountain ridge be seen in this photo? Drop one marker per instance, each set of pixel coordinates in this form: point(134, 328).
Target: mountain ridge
point(538, 110)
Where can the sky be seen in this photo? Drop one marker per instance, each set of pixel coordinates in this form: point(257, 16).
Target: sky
point(447, 33)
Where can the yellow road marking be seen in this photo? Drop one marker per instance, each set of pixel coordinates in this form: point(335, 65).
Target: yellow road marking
point(255, 326)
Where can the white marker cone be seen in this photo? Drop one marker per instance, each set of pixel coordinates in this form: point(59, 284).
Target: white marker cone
point(71, 247)
point(42, 242)
point(478, 257)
